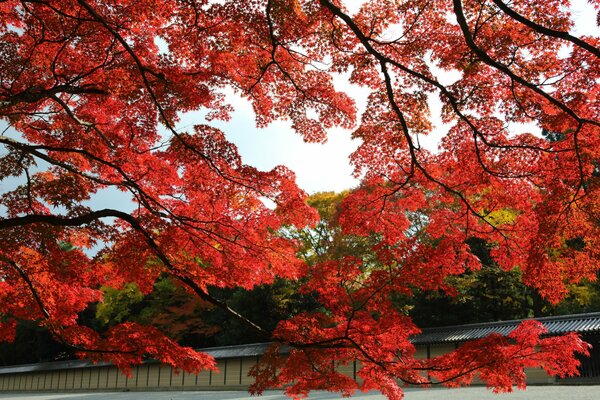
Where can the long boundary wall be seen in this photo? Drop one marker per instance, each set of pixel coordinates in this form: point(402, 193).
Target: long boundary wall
point(232, 375)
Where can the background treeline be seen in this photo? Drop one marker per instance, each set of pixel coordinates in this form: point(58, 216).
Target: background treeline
point(486, 294)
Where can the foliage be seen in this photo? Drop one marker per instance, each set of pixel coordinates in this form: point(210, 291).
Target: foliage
point(483, 295)
point(582, 297)
point(264, 304)
point(168, 307)
point(92, 92)
point(116, 304)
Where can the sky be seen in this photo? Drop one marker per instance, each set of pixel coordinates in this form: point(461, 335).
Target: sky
point(325, 167)
point(318, 167)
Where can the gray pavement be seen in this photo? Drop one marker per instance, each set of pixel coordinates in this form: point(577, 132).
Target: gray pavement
point(472, 393)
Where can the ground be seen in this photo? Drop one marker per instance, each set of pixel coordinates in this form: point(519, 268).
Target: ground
point(472, 393)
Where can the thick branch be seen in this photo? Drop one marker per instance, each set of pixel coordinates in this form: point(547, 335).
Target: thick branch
point(34, 94)
point(485, 57)
point(384, 61)
point(545, 30)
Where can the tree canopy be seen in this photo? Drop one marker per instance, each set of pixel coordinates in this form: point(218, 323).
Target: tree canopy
point(91, 91)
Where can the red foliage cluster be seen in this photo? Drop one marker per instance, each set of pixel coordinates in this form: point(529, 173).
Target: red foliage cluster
point(91, 91)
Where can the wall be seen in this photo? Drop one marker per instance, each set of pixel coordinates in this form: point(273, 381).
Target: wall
point(233, 375)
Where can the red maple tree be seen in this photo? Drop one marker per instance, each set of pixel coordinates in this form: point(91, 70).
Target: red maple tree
point(90, 101)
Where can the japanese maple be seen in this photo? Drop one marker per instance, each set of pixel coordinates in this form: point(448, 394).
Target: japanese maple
point(90, 94)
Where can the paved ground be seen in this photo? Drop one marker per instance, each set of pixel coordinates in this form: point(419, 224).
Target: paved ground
point(473, 393)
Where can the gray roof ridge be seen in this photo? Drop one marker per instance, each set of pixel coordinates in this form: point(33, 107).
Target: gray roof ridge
point(233, 346)
point(552, 318)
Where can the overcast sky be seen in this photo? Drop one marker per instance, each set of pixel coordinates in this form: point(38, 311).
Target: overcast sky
point(318, 167)
point(325, 167)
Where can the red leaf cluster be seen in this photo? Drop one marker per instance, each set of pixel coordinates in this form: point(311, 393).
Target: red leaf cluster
point(91, 93)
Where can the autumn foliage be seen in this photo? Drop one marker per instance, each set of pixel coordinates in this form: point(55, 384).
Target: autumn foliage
point(90, 96)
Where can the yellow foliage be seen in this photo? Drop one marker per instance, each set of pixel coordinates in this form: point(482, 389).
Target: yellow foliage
point(504, 216)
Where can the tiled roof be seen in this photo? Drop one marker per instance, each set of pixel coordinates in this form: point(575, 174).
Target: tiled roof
point(51, 366)
point(581, 323)
point(242, 350)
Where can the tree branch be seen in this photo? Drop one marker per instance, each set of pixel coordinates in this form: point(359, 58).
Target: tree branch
point(136, 225)
point(545, 30)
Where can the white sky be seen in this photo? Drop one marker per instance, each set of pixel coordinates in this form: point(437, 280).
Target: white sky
point(318, 167)
point(326, 167)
